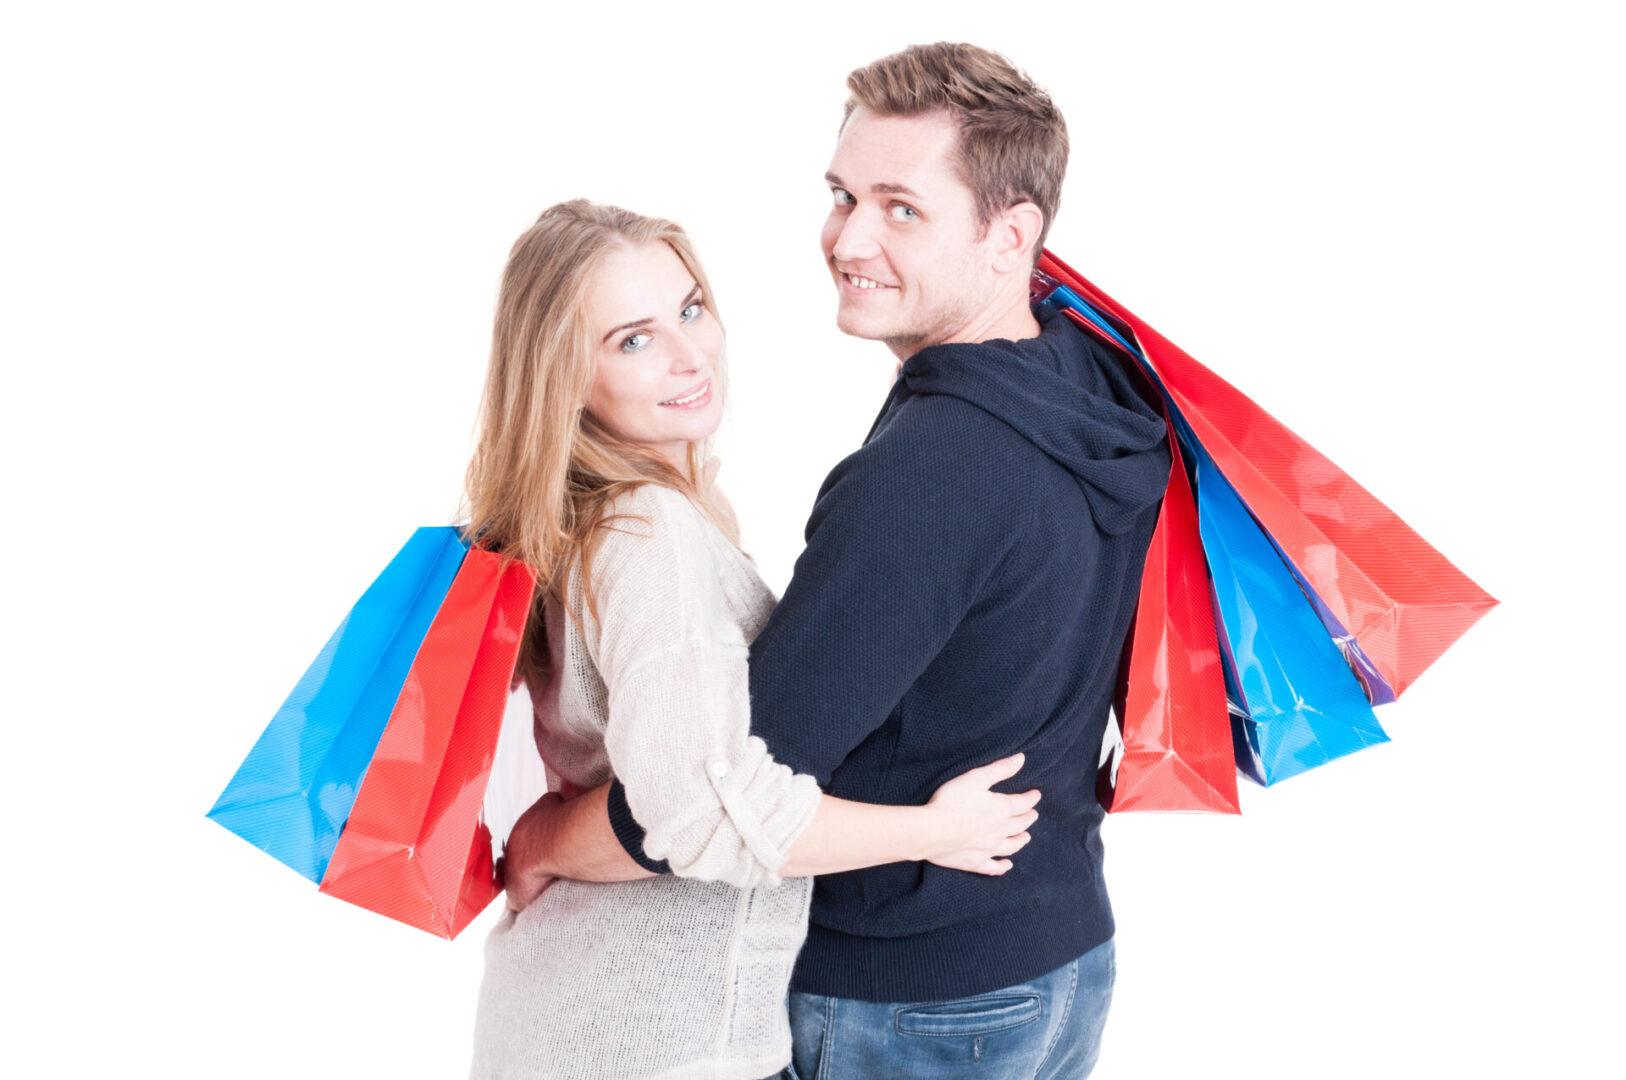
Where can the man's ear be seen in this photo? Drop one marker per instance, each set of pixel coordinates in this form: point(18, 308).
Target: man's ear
point(1015, 231)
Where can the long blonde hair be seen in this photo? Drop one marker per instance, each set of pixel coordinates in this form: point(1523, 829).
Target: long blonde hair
point(544, 470)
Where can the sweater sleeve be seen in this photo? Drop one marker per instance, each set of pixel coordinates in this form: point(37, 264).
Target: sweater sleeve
point(709, 798)
point(905, 536)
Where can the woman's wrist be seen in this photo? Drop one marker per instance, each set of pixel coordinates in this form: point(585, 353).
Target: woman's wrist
point(921, 832)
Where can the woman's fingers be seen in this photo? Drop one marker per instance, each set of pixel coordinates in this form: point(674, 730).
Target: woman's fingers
point(1013, 844)
point(1025, 801)
point(987, 776)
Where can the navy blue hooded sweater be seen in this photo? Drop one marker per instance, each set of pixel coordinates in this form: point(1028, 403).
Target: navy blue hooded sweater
point(969, 578)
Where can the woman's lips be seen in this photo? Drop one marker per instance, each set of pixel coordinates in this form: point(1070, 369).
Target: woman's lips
point(696, 398)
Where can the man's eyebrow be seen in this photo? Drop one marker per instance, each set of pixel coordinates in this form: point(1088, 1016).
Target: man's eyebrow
point(878, 189)
point(694, 290)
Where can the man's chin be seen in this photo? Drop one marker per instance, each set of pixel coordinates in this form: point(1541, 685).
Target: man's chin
point(901, 340)
point(861, 325)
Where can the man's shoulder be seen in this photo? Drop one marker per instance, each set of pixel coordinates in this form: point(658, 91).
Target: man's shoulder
point(932, 454)
point(950, 425)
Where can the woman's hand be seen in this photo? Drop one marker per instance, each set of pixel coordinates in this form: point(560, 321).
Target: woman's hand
point(976, 829)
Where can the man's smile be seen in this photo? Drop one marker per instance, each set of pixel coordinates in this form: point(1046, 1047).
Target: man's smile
point(864, 284)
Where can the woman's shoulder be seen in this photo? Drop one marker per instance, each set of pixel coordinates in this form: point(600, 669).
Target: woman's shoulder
point(652, 512)
point(651, 524)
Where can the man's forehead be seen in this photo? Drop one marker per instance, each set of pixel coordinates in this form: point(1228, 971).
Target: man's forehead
point(896, 154)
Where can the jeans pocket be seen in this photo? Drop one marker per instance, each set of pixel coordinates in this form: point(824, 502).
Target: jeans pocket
point(972, 1016)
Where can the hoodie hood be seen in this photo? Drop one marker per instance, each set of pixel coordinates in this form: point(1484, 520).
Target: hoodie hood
point(1068, 395)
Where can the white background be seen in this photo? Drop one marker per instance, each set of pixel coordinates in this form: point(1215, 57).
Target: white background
point(249, 257)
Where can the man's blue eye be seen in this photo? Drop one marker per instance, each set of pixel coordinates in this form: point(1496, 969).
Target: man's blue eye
point(635, 342)
point(901, 212)
point(842, 197)
point(692, 312)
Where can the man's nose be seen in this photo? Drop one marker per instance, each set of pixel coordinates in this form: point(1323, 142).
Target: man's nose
point(856, 241)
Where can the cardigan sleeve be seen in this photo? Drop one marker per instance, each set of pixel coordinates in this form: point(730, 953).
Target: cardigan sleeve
point(710, 799)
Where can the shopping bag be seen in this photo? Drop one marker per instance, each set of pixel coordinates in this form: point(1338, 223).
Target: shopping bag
point(1299, 703)
point(415, 846)
point(1392, 602)
point(1177, 751)
point(294, 790)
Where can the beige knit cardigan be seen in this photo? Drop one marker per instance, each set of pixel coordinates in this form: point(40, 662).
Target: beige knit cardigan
point(685, 974)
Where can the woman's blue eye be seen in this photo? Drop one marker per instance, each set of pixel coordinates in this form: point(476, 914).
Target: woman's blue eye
point(692, 312)
point(635, 342)
point(901, 212)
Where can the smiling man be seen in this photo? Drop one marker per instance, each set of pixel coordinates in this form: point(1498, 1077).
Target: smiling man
point(969, 578)
point(919, 267)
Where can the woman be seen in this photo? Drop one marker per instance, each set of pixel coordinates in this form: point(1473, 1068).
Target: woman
point(606, 380)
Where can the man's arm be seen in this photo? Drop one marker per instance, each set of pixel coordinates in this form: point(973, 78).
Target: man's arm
point(560, 837)
point(903, 540)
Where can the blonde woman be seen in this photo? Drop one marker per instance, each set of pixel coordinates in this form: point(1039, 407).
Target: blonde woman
point(606, 380)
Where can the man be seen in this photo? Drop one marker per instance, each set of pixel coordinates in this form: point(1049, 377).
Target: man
point(969, 578)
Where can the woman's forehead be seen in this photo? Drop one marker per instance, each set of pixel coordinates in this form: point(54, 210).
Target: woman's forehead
point(638, 281)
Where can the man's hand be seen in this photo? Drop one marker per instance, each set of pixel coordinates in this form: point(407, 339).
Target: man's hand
point(524, 854)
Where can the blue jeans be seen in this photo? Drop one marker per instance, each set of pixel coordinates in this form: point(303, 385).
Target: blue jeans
point(1048, 1028)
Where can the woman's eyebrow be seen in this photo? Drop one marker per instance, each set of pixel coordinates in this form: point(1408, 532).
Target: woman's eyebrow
point(689, 298)
point(646, 320)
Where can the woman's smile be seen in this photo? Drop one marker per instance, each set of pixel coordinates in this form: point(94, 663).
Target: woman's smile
point(697, 398)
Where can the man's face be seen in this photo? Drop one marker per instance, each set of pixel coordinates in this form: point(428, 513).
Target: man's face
point(902, 241)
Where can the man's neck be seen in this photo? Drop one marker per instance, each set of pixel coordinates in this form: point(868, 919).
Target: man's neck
point(1011, 321)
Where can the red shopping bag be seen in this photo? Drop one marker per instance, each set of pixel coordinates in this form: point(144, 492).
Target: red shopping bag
point(1393, 602)
point(414, 847)
point(1177, 752)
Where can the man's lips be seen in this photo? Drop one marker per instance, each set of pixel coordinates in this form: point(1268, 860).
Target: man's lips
point(693, 398)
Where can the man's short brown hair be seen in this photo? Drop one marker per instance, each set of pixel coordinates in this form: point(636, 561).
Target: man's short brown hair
point(1013, 140)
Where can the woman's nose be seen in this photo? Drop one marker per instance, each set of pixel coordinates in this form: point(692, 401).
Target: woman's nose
point(687, 355)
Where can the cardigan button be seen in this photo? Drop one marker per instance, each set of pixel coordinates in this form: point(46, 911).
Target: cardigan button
point(719, 769)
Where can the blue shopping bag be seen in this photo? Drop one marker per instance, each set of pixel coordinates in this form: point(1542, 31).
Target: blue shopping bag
point(1296, 703)
point(293, 792)
point(1300, 689)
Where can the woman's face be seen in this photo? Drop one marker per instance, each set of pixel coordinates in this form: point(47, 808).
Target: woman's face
point(657, 351)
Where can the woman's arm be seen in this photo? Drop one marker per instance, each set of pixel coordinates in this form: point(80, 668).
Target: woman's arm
point(965, 826)
point(712, 801)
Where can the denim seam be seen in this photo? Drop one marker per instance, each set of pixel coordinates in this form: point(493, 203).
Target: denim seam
point(827, 1049)
point(1066, 1014)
